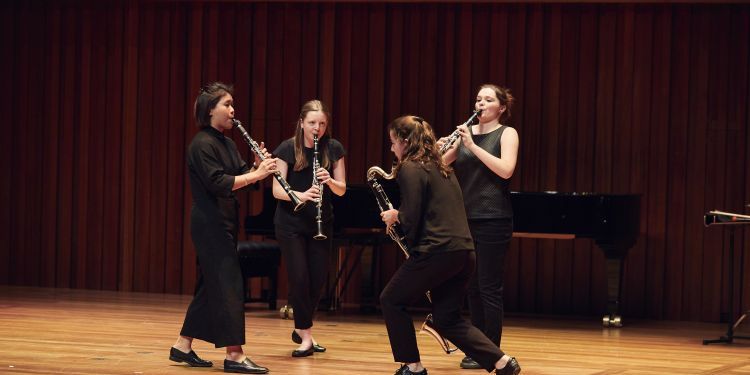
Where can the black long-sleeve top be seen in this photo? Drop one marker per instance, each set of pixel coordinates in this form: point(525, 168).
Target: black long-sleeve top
point(213, 162)
point(432, 212)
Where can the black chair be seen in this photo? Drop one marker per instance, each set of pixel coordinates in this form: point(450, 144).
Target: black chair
point(260, 259)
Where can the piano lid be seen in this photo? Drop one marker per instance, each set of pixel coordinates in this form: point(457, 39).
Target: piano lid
point(716, 217)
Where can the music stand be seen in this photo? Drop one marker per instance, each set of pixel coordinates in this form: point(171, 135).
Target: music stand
point(718, 217)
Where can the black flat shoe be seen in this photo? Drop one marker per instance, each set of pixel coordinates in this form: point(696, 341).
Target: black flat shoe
point(298, 340)
point(296, 337)
point(511, 368)
point(404, 370)
point(470, 363)
point(245, 367)
point(191, 358)
point(303, 353)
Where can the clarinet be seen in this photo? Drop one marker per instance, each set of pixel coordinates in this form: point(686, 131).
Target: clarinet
point(452, 138)
point(397, 235)
point(298, 204)
point(316, 182)
point(394, 231)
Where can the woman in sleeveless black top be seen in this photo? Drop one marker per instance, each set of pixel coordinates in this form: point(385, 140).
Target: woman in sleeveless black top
point(484, 161)
point(307, 258)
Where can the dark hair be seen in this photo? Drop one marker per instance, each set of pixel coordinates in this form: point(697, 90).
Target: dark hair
point(420, 141)
point(299, 156)
point(503, 96)
point(207, 99)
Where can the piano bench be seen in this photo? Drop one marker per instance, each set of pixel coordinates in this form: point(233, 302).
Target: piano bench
point(260, 259)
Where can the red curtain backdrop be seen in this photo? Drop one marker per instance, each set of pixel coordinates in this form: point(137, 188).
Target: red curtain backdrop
point(612, 98)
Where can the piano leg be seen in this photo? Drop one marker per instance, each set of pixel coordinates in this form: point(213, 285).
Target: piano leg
point(615, 255)
point(614, 285)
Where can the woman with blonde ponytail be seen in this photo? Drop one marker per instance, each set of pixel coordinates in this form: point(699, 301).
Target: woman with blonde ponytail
point(307, 258)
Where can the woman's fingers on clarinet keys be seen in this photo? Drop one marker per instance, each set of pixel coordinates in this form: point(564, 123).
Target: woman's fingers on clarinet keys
point(268, 166)
point(265, 152)
point(389, 217)
point(323, 175)
point(440, 142)
point(312, 193)
point(272, 164)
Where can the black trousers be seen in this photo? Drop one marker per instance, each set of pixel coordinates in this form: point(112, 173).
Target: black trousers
point(217, 312)
point(307, 269)
point(491, 241)
point(446, 276)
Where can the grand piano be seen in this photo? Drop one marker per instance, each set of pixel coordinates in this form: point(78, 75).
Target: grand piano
point(611, 220)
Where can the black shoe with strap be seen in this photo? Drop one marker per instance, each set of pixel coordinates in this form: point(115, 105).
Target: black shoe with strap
point(245, 367)
point(404, 370)
point(511, 368)
point(298, 340)
point(191, 358)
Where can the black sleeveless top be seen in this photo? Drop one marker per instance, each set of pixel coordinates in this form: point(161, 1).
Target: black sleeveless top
point(486, 195)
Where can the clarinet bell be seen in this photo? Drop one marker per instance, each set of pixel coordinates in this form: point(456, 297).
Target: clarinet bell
point(427, 327)
point(298, 204)
point(320, 235)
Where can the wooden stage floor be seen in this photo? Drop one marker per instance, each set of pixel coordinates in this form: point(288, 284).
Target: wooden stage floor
point(56, 331)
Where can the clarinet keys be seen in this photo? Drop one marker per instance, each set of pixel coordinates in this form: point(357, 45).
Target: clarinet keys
point(319, 184)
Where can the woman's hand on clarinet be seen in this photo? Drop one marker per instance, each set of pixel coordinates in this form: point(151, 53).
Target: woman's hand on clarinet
point(323, 176)
point(311, 194)
point(466, 138)
point(441, 141)
point(389, 217)
point(267, 167)
point(265, 152)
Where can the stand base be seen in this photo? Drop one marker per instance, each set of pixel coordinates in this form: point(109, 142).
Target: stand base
point(730, 336)
point(724, 339)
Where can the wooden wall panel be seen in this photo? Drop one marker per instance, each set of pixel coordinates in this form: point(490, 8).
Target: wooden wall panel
point(175, 176)
point(50, 152)
point(611, 98)
point(716, 142)
point(145, 153)
point(96, 111)
point(531, 260)
point(583, 128)
point(641, 96)
point(7, 46)
point(738, 152)
point(696, 161)
point(129, 126)
point(20, 136)
point(657, 178)
point(677, 164)
point(113, 131)
point(194, 45)
point(29, 200)
point(65, 254)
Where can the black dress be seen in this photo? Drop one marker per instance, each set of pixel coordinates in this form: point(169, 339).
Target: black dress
point(216, 314)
